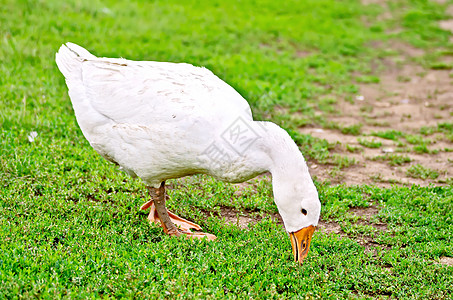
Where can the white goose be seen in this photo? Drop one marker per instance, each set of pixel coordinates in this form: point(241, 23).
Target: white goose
point(160, 120)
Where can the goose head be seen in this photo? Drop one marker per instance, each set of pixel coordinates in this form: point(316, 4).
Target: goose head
point(300, 208)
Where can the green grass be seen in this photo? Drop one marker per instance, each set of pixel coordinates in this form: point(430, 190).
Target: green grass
point(444, 128)
point(416, 139)
point(343, 161)
point(369, 144)
point(353, 149)
point(354, 129)
point(368, 79)
point(419, 171)
point(96, 242)
point(393, 159)
point(70, 225)
point(389, 134)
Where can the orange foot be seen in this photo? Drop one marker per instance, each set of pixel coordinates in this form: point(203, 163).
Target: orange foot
point(183, 226)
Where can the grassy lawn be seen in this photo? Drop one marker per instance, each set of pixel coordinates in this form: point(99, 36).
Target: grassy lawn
point(70, 225)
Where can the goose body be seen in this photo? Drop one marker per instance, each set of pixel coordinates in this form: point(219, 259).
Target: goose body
point(160, 120)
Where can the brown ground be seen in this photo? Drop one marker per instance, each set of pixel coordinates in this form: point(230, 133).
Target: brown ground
point(406, 99)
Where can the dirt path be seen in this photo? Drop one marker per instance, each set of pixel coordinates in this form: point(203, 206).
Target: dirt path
point(409, 100)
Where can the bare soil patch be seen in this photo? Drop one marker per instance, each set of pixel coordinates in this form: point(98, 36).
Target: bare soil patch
point(407, 99)
point(448, 261)
point(330, 227)
point(243, 219)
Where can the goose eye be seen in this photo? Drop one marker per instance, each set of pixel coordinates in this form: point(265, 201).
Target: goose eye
point(304, 211)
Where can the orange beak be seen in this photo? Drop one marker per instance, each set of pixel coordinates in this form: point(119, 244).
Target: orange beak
point(300, 240)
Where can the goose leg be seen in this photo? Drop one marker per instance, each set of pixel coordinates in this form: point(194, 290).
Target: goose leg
point(171, 223)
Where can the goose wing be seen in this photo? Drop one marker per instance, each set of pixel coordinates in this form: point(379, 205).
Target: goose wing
point(149, 92)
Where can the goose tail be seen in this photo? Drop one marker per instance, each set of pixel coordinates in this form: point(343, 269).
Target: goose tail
point(69, 60)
